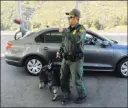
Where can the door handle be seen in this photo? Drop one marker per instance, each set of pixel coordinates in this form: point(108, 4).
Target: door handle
point(45, 48)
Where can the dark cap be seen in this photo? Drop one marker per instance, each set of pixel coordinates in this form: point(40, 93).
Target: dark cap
point(74, 13)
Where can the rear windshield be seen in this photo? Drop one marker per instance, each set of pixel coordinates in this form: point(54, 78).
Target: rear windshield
point(28, 34)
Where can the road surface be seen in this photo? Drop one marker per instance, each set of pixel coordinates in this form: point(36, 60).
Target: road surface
point(19, 89)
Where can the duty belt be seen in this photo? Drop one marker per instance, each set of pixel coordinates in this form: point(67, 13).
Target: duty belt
point(73, 57)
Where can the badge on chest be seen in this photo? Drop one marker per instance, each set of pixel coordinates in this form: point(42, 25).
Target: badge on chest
point(74, 32)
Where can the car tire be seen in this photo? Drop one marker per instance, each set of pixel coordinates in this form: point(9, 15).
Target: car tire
point(34, 65)
point(122, 68)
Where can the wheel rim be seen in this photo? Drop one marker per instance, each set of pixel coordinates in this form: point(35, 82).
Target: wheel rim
point(34, 66)
point(124, 68)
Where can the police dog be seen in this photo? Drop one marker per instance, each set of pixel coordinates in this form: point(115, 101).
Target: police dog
point(50, 78)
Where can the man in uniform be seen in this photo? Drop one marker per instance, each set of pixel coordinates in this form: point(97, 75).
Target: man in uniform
point(72, 64)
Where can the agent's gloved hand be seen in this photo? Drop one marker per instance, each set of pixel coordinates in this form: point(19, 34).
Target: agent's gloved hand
point(58, 54)
point(60, 29)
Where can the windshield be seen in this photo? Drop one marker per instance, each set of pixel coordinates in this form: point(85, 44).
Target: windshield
point(28, 34)
point(110, 40)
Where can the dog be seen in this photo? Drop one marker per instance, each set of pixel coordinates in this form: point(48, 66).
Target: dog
point(50, 78)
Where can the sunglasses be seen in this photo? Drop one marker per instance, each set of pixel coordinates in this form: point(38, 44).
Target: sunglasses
point(70, 17)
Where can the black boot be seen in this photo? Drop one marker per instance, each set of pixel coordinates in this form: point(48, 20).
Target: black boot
point(80, 100)
point(66, 98)
point(65, 101)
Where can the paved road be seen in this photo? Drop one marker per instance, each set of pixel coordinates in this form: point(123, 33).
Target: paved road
point(18, 89)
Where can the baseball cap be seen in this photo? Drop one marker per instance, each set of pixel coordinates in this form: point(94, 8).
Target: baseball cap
point(74, 13)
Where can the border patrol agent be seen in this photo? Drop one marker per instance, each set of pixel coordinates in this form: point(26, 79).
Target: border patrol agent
point(72, 64)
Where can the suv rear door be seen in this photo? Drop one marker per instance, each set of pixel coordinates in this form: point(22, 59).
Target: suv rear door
point(49, 43)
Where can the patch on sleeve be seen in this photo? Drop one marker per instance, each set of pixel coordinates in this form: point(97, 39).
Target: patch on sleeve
point(82, 29)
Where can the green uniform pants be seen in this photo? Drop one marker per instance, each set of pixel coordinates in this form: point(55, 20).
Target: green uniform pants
point(75, 70)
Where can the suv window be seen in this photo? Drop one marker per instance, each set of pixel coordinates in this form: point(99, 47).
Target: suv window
point(92, 40)
point(53, 37)
point(50, 37)
point(40, 38)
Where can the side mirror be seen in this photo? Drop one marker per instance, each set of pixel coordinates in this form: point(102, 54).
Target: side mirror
point(105, 43)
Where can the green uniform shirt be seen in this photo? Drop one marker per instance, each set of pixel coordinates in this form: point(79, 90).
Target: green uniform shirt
point(73, 39)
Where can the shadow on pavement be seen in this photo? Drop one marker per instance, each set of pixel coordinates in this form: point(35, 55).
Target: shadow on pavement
point(101, 73)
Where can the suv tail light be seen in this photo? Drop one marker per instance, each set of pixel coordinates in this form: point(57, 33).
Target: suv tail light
point(8, 45)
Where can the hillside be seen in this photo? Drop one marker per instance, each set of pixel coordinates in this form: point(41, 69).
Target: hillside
point(97, 15)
